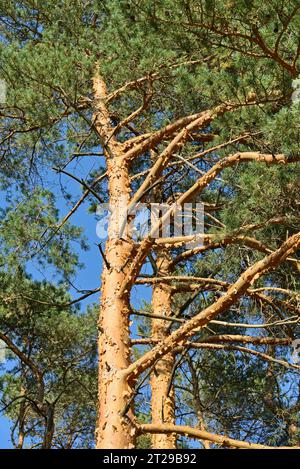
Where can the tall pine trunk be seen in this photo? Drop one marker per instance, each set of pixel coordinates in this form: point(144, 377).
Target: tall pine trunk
point(114, 426)
point(162, 390)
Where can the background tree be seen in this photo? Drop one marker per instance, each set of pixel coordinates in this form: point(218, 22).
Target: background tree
point(49, 388)
point(210, 93)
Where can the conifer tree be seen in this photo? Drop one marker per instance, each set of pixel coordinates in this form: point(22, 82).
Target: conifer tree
point(212, 95)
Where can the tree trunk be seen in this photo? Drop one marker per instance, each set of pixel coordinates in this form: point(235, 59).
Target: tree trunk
point(49, 426)
point(197, 400)
point(113, 429)
point(22, 413)
point(162, 398)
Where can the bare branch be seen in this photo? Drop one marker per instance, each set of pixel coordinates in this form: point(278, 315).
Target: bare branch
point(190, 432)
point(223, 303)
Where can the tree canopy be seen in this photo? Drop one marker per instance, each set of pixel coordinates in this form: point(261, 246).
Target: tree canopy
point(151, 102)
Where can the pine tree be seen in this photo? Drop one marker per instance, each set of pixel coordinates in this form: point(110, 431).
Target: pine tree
point(210, 93)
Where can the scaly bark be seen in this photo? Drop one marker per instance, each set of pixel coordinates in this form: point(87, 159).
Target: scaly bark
point(162, 392)
point(113, 429)
point(234, 292)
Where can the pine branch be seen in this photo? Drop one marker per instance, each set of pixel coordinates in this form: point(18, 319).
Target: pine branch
point(190, 432)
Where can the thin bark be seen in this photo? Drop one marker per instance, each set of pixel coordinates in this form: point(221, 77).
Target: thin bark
point(162, 395)
point(116, 429)
point(190, 194)
point(113, 430)
point(221, 305)
point(226, 338)
point(220, 440)
point(237, 348)
point(210, 244)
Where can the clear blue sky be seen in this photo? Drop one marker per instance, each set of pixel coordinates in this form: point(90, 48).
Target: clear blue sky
point(89, 276)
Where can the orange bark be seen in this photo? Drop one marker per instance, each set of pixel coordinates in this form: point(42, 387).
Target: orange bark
point(114, 430)
point(234, 292)
point(194, 433)
point(115, 426)
point(162, 394)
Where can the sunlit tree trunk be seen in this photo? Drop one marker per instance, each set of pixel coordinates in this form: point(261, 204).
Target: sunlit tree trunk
point(162, 390)
point(115, 428)
point(114, 431)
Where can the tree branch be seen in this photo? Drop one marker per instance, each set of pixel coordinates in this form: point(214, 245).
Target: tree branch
point(223, 303)
point(24, 359)
point(190, 432)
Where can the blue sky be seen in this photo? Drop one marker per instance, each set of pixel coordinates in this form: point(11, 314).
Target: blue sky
point(89, 276)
